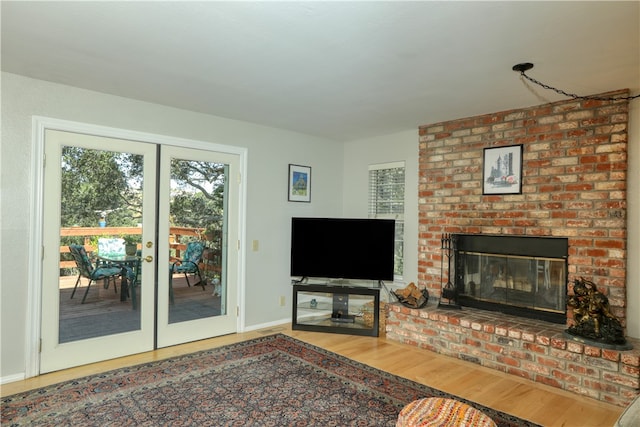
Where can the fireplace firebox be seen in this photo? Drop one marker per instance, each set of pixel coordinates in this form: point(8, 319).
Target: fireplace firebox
point(517, 275)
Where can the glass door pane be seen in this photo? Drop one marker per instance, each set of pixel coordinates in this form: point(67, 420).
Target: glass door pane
point(197, 226)
point(100, 207)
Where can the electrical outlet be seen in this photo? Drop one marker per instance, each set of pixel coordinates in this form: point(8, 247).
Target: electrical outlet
point(282, 300)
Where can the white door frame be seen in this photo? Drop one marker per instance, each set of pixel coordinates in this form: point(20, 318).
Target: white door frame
point(34, 280)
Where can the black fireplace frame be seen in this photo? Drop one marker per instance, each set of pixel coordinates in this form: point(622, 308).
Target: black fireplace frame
point(533, 246)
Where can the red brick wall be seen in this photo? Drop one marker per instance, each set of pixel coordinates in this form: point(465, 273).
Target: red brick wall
point(573, 186)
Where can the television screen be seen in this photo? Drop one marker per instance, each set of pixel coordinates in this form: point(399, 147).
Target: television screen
point(342, 248)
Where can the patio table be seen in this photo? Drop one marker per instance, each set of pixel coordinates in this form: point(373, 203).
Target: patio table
point(127, 263)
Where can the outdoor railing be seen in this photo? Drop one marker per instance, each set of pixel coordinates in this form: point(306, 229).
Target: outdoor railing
point(175, 235)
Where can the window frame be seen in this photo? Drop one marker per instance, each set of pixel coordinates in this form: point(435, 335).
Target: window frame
point(374, 208)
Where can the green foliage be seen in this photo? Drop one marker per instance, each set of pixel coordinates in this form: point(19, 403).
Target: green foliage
point(198, 193)
point(131, 239)
point(191, 210)
point(100, 182)
point(96, 181)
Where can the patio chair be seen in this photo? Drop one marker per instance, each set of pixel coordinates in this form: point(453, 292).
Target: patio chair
point(87, 270)
point(110, 246)
point(134, 276)
point(188, 265)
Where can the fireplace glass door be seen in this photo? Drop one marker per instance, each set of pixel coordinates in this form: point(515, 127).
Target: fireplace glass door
point(519, 285)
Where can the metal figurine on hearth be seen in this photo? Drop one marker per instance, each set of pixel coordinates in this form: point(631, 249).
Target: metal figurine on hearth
point(594, 322)
point(449, 291)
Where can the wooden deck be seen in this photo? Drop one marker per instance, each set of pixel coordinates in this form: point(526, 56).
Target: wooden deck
point(103, 313)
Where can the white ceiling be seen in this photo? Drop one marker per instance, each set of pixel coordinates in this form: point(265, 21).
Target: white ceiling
point(341, 70)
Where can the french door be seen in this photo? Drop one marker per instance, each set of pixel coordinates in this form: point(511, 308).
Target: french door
point(100, 192)
point(192, 312)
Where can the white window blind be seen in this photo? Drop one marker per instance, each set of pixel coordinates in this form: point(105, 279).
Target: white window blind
point(386, 201)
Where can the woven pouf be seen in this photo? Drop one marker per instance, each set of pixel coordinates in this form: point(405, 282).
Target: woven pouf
point(436, 411)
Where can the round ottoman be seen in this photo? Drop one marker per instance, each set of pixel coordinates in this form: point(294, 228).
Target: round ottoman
point(437, 411)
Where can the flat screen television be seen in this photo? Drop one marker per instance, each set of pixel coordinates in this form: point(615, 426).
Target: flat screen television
point(342, 248)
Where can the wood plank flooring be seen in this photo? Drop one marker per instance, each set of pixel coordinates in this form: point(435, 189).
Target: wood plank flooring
point(541, 404)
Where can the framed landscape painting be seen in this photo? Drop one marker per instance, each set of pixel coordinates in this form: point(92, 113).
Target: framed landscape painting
point(299, 183)
point(502, 170)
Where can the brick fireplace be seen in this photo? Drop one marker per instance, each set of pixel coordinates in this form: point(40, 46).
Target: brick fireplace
point(574, 164)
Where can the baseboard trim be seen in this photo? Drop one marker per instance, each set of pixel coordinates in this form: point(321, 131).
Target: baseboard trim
point(267, 325)
point(12, 378)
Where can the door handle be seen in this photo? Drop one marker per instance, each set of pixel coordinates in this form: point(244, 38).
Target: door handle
point(148, 258)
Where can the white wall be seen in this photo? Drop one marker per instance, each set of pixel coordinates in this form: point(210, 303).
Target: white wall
point(358, 155)
point(268, 211)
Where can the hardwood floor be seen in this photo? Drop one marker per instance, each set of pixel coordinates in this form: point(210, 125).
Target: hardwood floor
point(541, 404)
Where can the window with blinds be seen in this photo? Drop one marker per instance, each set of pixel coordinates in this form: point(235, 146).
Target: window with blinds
point(386, 201)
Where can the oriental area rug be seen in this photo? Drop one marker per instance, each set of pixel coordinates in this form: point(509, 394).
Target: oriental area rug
point(274, 380)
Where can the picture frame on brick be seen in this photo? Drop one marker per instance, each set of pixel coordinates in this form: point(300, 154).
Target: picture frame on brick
point(502, 170)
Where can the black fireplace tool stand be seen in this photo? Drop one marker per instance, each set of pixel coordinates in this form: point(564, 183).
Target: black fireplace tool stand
point(449, 292)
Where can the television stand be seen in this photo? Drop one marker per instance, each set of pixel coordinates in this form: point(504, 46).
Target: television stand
point(345, 319)
point(342, 309)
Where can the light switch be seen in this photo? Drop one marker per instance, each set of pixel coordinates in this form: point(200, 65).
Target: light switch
point(255, 245)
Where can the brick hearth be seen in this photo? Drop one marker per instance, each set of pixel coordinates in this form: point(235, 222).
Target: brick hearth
point(531, 349)
point(574, 172)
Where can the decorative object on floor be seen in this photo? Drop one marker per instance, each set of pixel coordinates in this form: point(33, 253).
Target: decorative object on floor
point(441, 412)
point(273, 380)
point(448, 243)
point(299, 183)
point(593, 318)
point(411, 296)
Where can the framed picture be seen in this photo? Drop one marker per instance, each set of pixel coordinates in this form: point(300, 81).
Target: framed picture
point(502, 170)
point(299, 183)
